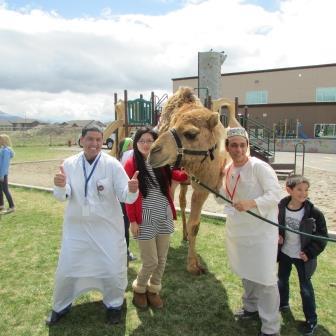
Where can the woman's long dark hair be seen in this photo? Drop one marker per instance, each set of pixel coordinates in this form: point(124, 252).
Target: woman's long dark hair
point(163, 174)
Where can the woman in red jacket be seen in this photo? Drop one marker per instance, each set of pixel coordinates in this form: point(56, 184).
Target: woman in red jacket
point(151, 217)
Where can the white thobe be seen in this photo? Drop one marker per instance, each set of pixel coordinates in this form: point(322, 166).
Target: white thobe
point(251, 242)
point(93, 252)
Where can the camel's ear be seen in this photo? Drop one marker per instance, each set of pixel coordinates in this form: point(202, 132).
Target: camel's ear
point(213, 120)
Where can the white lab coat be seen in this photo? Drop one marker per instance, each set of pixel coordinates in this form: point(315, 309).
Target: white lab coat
point(93, 253)
point(251, 242)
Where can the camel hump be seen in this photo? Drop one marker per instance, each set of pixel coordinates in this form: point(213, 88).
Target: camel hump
point(186, 95)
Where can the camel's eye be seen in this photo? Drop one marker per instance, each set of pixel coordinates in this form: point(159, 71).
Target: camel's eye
point(190, 135)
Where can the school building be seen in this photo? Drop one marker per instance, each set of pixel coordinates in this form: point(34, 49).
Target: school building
point(296, 102)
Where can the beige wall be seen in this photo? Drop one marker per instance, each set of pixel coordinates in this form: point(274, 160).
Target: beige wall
point(290, 85)
point(192, 83)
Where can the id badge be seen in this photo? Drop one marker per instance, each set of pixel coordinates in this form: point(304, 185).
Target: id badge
point(229, 210)
point(86, 209)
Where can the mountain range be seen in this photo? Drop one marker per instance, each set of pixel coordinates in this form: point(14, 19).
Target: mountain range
point(9, 117)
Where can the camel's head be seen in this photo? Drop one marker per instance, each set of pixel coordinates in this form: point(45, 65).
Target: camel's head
point(197, 128)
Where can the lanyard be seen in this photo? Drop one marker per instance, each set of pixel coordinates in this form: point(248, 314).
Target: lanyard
point(87, 178)
point(231, 195)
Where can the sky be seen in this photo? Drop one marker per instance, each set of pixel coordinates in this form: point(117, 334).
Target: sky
point(63, 60)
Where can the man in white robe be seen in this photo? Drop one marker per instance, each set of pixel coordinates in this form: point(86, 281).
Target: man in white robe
point(251, 243)
point(93, 253)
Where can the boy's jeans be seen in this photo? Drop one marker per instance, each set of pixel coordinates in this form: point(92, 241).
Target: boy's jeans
point(306, 287)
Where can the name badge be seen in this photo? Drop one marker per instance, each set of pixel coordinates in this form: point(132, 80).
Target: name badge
point(229, 210)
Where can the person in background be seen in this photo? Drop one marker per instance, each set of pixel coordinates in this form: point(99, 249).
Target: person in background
point(125, 151)
point(93, 252)
point(298, 213)
point(251, 184)
point(6, 154)
point(151, 217)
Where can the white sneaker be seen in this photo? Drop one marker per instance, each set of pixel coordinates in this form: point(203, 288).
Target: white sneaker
point(9, 210)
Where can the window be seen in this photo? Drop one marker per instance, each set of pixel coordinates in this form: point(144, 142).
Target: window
point(325, 130)
point(256, 97)
point(327, 94)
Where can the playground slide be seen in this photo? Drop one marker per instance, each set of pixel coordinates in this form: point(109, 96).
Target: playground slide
point(112, 127)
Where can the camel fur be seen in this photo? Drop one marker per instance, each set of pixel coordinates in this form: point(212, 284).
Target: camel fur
point(200, 129)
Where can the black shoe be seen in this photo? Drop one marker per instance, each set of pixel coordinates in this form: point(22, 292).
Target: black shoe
point(263, 334)
point(284, 308)
point(113, 315)
point(245, 315)
point(309, 328)
point(54, 317)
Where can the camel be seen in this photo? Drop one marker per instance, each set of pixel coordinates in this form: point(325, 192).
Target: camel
point(187, 124)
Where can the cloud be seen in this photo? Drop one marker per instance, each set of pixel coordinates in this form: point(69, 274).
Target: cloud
point(69, 68)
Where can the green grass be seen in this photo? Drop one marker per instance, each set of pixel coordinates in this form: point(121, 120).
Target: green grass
point(45, 136)
point(30, 242)
point(35, 153)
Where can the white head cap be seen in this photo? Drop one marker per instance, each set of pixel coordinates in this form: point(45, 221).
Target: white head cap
point(237, 131)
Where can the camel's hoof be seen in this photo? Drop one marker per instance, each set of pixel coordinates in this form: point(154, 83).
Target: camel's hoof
point(196, 270)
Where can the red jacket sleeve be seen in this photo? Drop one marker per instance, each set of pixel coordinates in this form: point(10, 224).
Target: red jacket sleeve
point(130, 208)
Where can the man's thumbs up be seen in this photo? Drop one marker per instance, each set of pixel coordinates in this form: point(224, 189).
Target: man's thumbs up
point(60, 178)
point(133, 183)
point(62, 170)
point(135, 176)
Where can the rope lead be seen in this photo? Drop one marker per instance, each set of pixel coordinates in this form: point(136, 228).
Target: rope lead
point(194, 179)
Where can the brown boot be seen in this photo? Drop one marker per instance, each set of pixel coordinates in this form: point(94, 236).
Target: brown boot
point(154, 300)
point(140, 300)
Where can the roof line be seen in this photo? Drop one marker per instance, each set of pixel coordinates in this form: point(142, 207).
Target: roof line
point(266, 70)
point(286, 104)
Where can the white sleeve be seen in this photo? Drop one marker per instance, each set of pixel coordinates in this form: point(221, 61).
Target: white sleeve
point(62, 194)
point(120, 184)
point(271, 189)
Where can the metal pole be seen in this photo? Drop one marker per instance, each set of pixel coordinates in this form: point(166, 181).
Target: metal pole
point(285, 135)
point(297, 128)
point(245, 116)
point(154, 112)
point(236, 107)
point(198, 74)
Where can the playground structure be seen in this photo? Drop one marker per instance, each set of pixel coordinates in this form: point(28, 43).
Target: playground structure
point(132, 114)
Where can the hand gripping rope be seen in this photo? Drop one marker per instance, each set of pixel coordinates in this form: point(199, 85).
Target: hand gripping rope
point(194, 179)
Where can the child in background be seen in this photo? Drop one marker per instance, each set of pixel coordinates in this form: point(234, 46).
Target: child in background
point(6, 154)
point(298, 213)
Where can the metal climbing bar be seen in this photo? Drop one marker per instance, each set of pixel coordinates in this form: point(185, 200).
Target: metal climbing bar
point(303, 156)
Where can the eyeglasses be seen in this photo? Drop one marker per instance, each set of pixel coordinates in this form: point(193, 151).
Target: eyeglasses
point(148, 142)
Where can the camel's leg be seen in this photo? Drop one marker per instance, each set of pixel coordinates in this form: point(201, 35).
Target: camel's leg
point(197, 200)
point(173, 187)
point(183, 204)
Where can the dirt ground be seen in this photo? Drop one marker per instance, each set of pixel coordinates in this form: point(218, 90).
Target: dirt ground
point(322, 190)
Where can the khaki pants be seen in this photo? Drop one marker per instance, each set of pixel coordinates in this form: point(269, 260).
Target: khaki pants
point(265, 300)
point(153, 253)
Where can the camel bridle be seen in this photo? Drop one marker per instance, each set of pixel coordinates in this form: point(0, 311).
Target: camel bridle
point(182, 151)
